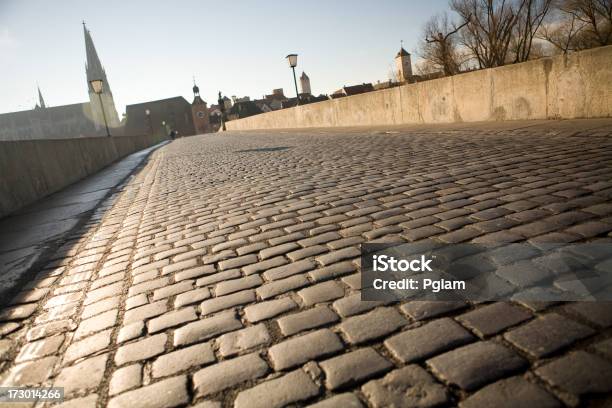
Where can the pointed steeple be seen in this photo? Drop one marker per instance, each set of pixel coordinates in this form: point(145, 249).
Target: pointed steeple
point(93, 66)
point(102, 105)
point(41, 101)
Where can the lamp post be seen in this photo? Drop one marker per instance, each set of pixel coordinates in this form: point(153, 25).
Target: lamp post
point(96, 84)
point(148, 113)
point(292, 59)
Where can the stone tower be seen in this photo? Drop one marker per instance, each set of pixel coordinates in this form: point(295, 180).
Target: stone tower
point(305, 84)
point(403, 65)
point(95, 70)
point(199, 112)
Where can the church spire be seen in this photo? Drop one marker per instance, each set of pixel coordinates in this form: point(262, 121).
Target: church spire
point(102, 104)
point(41, 101)
point(93, 67)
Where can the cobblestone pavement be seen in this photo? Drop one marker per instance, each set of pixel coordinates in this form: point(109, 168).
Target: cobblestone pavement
point(226, 273)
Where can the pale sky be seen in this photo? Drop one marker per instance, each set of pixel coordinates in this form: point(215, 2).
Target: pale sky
point(152, 49)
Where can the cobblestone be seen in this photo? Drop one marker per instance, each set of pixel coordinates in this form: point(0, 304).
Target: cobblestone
point(224, 302)
point(321, 292)
point(547, 334)
point(410, 386)
point(125, 378)
point(129, 332)
point(88, 346)
point(141, 350)
point(206, 328)
point(30, 373)
point(242, 340)
point(477, 364)
point(172, 319)
point(346, 400)
point(177, 361)
point(97, 323)
point(83, 376)
point(239, 283)
point(509, 393)
point(228, 373)
point(351, 367)
point(281, 286)
point(167, 393)
point(299, 350)
point(290, 388)
point(265, 310)
point(145, 312)
point(492, 319)
point(376, 324)
point(309, 319)
point(428, 340)
point(40, 348)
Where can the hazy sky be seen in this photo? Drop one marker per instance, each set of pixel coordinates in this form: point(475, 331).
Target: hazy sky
point(152, 49)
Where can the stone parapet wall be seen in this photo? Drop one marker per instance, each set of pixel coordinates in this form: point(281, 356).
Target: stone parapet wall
point(32, 169)
point(578, 85)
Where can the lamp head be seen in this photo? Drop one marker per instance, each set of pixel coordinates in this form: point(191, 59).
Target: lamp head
point(292, 59)
point(96, 84)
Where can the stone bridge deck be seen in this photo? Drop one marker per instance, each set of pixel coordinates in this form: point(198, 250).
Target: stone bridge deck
point(227, 273)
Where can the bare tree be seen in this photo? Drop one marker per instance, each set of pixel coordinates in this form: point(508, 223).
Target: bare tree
point(578, 24)
point(562, 32)
point(596, 17)
point(530, 18)
point(393, 74)
point(490, 27)
point(439, 46)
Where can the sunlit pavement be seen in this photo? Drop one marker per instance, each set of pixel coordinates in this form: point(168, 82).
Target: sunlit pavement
point(226, 272)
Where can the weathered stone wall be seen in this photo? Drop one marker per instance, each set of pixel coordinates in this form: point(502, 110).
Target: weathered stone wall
point(32, 169)
point(578, 85)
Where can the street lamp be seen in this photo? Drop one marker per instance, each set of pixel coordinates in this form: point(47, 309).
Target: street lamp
point(292, 59)
point(96, 84)
point(148, 113)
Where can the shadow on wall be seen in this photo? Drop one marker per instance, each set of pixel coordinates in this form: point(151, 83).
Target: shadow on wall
point(32, 169)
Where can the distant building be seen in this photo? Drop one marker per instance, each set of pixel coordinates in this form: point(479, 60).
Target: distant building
point(305, 99)
point(385, 85)
point(289, 103)
point(263, 105)
point(227, 103)
point(352, 90)
point(273, 101)
point(84, 119)
point(305, 84)
point(276, 94)
point(214, 117)
point(164, 115)
point(243, 110)
point(235, 99)
point(403, 65)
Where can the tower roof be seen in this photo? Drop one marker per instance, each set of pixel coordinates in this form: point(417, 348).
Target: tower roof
point(304, 76)
point(402, 53)
point(195, 88)
point(93, 66)
point(41, 101)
